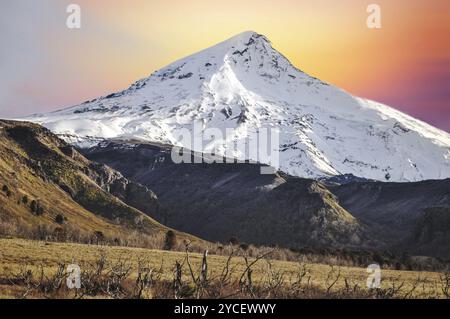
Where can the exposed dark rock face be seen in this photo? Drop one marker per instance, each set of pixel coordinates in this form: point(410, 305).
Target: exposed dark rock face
point(393, 208)
point(129, 192)
point(219, 201)
point(431, 234)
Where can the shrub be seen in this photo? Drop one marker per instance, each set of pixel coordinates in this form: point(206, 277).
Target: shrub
point(39, 210)
point(170, 240)
point(99, 236)
point(42, 232)
point(59, 219)
point(233, 241)
point(60, 234)
point(36, 208)
point(25, 199)
point(5, 188)
point(33, 206)
point(244, 246)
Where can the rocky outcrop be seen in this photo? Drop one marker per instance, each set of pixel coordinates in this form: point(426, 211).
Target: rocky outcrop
point(132, 193)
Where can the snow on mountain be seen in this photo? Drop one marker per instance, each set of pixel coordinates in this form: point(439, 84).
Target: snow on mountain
point(245, 84)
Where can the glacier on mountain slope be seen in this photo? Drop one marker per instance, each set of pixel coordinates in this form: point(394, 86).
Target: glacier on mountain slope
point(245, 84)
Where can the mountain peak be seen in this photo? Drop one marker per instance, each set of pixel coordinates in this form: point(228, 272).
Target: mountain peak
point(248, 34)
point(238, 45)
point(247, 38)
point(244, 84)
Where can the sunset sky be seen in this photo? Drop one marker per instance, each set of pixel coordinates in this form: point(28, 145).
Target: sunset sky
point(45, 66)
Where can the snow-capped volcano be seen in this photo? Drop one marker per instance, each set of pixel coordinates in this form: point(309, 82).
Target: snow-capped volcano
point(245, 84)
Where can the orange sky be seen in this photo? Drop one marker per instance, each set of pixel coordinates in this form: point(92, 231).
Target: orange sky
point(405, 64)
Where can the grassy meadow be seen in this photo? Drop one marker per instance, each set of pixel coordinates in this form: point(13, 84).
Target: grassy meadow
point(36, 269)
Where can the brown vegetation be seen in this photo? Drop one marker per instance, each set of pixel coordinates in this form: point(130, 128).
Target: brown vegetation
point(121, 278)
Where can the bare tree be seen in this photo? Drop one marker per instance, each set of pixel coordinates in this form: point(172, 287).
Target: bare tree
point(332, 278)
point(445, 284)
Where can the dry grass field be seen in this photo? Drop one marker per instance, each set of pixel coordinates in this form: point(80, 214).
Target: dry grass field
point(34, 269)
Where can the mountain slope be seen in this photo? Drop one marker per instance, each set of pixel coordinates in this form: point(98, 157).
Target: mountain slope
point(394, 207)
point(432, 232)
point(49, 189)
point(244, 84)
point(217, 201)
point(220, 201)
